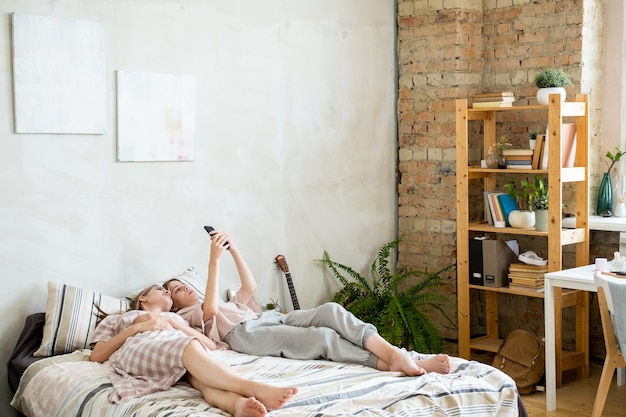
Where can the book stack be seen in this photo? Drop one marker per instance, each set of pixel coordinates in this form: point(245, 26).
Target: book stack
point(527, 276)
point(519, 158)
point(498, 206)
point(497, 99)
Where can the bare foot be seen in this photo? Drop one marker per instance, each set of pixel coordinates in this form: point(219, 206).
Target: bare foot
point(402, 361)
point(249, 407)
point(438, 363)
point(274, 397)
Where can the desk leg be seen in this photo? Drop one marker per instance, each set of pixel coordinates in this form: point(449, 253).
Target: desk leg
point(550, 346)
point(621, 376)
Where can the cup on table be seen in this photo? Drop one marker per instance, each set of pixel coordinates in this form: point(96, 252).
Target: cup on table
point(602, 265)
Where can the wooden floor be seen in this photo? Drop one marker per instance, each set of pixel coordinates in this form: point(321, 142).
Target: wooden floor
point(576, 397)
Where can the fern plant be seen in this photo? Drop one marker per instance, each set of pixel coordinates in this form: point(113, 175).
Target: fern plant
point(397, 315)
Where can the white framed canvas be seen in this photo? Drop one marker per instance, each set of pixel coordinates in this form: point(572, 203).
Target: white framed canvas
point(59, 75)
point(156, 116)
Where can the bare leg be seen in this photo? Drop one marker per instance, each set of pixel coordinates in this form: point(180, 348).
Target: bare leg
point(213, 374)
point(231, 402)
point(391, 358)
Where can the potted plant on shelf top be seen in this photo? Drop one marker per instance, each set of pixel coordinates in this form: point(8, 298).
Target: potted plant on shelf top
point(551, 81)
point(397, 314)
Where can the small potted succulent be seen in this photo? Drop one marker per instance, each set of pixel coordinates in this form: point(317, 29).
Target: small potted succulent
point(551, 81)
point(532, 141)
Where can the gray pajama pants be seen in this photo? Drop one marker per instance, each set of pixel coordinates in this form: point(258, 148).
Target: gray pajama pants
point(325, 332)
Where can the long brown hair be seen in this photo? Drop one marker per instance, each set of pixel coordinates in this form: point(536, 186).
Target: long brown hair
point(135, 304)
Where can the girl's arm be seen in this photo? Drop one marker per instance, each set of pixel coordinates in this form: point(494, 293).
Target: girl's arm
point(190, 331)
point(104, 349)
point(248, 283)
point(211, 294)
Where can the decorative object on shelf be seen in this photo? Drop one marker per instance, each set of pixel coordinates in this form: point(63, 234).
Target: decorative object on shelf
point(532, 141)
point(551, 81)
point(604, 205)
point(496, 157)
point(538, 202)
point(397, 314)
point(496, 99)
point(523, 218)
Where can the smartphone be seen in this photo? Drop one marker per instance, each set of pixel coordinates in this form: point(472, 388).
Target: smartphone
point(209, 229)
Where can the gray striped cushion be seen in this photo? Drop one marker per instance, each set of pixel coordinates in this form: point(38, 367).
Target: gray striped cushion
point(71, 317)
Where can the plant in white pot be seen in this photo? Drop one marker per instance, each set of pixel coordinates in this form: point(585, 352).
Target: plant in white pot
point(538, 202)
point(524, 218)
point(551, 81)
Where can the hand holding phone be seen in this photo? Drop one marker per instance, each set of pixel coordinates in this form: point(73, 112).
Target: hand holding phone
point(210, 229)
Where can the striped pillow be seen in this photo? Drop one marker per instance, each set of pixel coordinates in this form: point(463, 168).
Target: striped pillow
point(71, 317)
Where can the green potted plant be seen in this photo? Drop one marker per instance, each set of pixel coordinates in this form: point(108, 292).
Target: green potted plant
point(551, 81)
point(604, 205)
point(396, 313)
point(532, 141)
point(523, 218)
point(538, 203)
point(532, 200)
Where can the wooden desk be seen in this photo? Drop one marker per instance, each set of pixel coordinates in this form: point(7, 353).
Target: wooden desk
point(580, 278)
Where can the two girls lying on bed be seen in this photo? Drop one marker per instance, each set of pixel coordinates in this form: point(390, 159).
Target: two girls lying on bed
point(325, 332)
point(150, 349)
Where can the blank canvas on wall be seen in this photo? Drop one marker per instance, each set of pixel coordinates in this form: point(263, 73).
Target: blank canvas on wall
point(59, 75)
point(156, 116)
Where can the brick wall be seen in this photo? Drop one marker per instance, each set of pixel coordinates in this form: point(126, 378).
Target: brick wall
point(453, 49)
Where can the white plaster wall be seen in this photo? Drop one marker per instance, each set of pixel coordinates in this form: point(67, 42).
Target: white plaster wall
point(295, 151)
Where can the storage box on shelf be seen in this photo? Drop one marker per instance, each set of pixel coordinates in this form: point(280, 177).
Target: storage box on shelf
point(556, 236)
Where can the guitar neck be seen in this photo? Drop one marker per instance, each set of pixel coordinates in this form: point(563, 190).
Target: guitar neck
point(292, 292)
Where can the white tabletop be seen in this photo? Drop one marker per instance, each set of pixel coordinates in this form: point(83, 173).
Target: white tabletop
point(580, 278)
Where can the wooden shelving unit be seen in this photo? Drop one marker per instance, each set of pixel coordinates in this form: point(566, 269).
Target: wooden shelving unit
point(556, 236)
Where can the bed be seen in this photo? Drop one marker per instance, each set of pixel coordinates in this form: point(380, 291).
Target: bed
point(51, 375)
point(70, 385)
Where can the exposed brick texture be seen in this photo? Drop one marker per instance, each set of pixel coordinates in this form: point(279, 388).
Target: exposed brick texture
point(449, 50)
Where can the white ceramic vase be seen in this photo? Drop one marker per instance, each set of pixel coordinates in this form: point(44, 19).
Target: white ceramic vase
point(522, 219)
point(543, 94)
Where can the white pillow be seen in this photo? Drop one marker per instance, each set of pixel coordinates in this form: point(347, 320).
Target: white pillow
point(71, 317)
point(191, 278)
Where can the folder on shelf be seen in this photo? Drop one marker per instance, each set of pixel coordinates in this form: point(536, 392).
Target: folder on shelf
point(497, 256)
point(476, 261)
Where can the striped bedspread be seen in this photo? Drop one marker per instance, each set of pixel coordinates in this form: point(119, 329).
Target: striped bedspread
point(70, 385)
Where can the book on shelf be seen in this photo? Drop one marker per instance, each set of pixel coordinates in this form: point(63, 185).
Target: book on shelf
point(528, 158)
point(518, 152)
point(528, 166)
point(508, 204)
point(489, 104)
point(494, 94)
point(520, 266)
point(519, 161)
point(521, 287)
point(494, 205)
point(504, 99)
point(568, 144)
point(529, 282)
point(538, 151)
point(487, 208)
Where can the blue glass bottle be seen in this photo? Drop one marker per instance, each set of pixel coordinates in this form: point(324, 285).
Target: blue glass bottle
point(605, 197)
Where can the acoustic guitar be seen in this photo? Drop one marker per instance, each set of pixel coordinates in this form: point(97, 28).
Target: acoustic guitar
point(282, 264)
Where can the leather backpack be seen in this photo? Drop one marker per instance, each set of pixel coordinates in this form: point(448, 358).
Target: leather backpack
point(522, 357)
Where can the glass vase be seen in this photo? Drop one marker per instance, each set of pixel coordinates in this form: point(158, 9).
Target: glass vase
point(605, 197)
